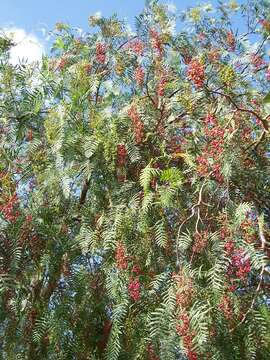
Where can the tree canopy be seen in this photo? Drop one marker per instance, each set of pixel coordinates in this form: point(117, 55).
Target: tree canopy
point(134, 189)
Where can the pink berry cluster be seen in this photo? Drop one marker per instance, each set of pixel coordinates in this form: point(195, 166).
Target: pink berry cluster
point(121, 155)
point(151, 353)
point(196, 72)
point(137, 46)
point(139, 75)
point(101, 52)
point(136, 270)
point(240, 265)
point(257, 61)
point(183, 330)
point(200, 242)
point(134, 289)
point(121, 162)
point(214, 55)
point(248, 229)
point(156, 42)
point(213, 150)
point(186, 56)
point(9, 209)
point(265, 24)
point(30, 135)
point(161, 86)
point(230, 39)
point(226, 307)
point(62, 63)
point(121, 257)
point(267, 74)
point(184, 290)
point(137, 123)
point(175, 144)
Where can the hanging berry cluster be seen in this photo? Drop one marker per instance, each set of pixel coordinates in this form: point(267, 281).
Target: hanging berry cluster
point(183, 329)
point(121, 155)
point(151, 353)
point(62, 63)
point(137, 46)
point(139, 75)
point(230, 40)
point(137, 123)
point(120, 257)
point(156, 43)
point(196, 72)
point(209, 161)
point(226, 306)
point(240, 266)
point(257, 61)
point(161, 86)
point(134, 289)
point(8, 209)
point(184, 290)
point(267, 74)
point(214, 55)
point(200, 242)
point(121, 162)
point(101, 52)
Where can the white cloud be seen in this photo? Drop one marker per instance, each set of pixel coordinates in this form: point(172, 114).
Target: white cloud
point(172, 8)
point(27, 46)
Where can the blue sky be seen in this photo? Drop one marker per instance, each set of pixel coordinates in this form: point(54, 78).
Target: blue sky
point(34, 14)
point(27, 18)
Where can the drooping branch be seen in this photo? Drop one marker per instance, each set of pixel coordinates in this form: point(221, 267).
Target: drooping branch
point(239, 108)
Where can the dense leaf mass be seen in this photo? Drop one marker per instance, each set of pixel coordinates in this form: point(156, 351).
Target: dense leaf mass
point(134, 177)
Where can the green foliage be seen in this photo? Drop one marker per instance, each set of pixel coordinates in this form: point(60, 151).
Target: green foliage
point(134, 196)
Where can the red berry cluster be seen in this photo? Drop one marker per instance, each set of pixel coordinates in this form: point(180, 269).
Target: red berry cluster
point(137, 46)
point(161, 86)
point(151, 353)
point(241, 265)
point(186, 56)
point(35, 245)
point(226, 307)
point(62, 63)
point(265, 24)
point(121, 155)
point(120, 256)
point(87, 69)
point(136, 270)
point(30, 135)
point(213, 150)
point(156, 42)
point(175, 145)
point(248, 228)
point(267, 74)
point(139, 75)
point(137, 123)
point(183, 330)
point(8, 209)
point(230, 39)
point(214, 55)
point(196, 72)
point(184, 292)
point(229, 246)
point(210, 120)
point(201, 36)
point(101, 52)
point(257, 61)
point(200, 242)
point(134, 289)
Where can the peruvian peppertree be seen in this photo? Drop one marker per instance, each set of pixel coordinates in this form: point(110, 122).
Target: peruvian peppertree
point(135, 191)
